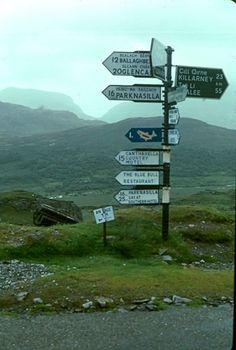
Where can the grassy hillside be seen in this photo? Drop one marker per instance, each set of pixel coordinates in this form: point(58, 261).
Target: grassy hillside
point(129, 267)
point(17, 120)
point(82, 159)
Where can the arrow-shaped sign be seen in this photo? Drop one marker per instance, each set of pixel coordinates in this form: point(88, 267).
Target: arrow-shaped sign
point(137, 64)
point(137, 157)
point(144, 134)
point(202, 82)
point(135, 196)
point(135, 177)
point(137, 93)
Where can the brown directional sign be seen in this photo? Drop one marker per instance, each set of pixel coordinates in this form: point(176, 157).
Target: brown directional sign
point(202, 82)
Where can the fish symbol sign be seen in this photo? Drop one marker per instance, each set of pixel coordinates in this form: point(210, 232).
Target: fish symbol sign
point(144, 134)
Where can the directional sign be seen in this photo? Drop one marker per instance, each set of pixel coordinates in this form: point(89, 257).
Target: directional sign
point(173, 116)
point(144, 134)
point(137, 157)
point(137, 64)
point(202, 82)
point(178, 94)
point(135, 177)
point(158, 59)
point(138, 197)
point(173, 136)
point(137, 93)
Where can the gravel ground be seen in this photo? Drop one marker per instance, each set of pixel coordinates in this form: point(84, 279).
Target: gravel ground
point(177, 328)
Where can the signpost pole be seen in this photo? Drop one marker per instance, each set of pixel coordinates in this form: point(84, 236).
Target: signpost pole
point(166, 149)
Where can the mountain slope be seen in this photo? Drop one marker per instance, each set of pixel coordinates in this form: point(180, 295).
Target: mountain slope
point(83, 159)
point(17, 120)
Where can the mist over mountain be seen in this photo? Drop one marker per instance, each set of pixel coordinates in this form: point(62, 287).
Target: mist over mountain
point(42, 99)
point(17, 120)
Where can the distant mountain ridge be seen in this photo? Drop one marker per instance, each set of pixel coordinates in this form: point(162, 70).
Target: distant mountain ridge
point(42, 99)
point(17, 120)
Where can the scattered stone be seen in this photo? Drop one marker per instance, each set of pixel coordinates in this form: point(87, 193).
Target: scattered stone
point(104, 302)
point(14, 272)
point(162, 251)
point(21, 296)
point(37, 301)
point(168, 301)
point(151, 307)
point(87, 305)
point(133, 307)
point(167, 258)
point(179, 300)
point(141, 301)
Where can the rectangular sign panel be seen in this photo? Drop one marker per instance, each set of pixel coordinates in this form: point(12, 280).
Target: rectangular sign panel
point(173, 116)
point(104, 214)
point(178, 94)
point(144, 134)
point(137, 157)
point(173, 136)
point(137, 64)
point(136, 177)
point(137, 93)
point(158, 59)
point(135, 196)
point(202, 82)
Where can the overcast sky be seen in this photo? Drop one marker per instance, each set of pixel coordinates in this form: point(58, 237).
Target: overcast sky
point(59, 45)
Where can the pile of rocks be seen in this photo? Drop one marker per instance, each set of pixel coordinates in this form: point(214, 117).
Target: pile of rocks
point(15, 272)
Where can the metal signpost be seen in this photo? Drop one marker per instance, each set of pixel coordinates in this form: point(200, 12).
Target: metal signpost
point(198, 82)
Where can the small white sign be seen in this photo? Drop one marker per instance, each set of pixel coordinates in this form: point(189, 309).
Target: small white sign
point(103, 214)
point(178, 94)
point(173, 136)
point(173, 116)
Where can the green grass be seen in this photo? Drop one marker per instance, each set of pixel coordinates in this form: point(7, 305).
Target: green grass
point(130, 266)
point(78, 279)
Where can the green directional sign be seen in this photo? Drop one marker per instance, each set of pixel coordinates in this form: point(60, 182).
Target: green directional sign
point(202, 82)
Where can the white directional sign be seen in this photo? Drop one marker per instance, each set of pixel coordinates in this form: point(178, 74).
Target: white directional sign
point(174, 116)
point(137, 93)
point(178, 94)
point(103, 214)
point(137, 157)
point(173, 136)
point(135, 196)
point(158, 59)
point(137, 64)
point(138, 177)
